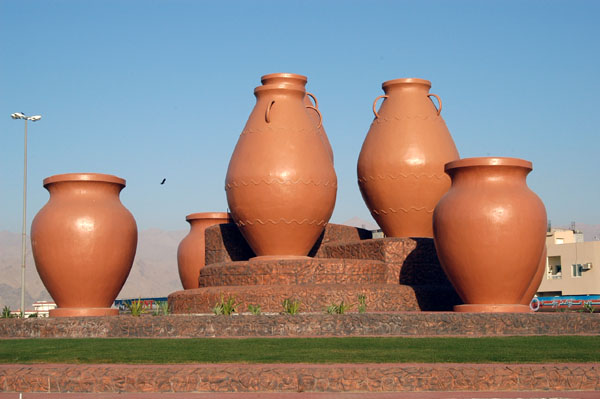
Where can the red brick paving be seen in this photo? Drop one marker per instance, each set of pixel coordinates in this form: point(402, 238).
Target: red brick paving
point(304, 395)
point(300, 378)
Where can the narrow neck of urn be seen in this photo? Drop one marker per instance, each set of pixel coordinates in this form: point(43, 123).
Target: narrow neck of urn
point(284, 78)
point(407, 87)
point(280, 90)
point(489, 174)
point(84, 189)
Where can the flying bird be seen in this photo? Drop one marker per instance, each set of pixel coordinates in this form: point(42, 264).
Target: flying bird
point(163, 181)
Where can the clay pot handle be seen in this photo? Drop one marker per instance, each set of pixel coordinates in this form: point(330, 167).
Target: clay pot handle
point(268, 112)
point(314, 99)
point(439, 102)
point(318, 112)
point(375, 103)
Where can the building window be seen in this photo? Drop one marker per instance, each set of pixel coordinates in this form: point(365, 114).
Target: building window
point(576, 270)
point(554, 268)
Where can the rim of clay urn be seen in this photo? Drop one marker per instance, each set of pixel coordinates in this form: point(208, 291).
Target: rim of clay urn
point(98, 177)
point(208, 215)
point(283, 75)
point(406, 80)
point(287, 86)
point(488, 161)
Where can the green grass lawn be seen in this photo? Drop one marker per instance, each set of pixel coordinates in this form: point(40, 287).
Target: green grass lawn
point(539, 349)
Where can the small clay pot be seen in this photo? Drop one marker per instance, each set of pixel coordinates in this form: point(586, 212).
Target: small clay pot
point(281, 185)
point(191, 250)
point(83, 243)
point(300, 80)
point(489, 233)
point(401, 164)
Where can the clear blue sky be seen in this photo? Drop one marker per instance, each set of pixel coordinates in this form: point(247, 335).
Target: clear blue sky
point(148, 90)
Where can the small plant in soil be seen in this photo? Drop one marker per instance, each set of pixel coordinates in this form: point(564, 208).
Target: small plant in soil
point(33, 315)
point(162, 308)
point(136, 307)
point(337, 309)
point(254, 309)
point(226, 307)
point(362, 303)
point(291, 306)
point(588, 307)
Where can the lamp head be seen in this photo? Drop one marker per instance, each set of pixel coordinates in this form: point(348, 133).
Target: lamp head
point(18, 115)
point(35, 118)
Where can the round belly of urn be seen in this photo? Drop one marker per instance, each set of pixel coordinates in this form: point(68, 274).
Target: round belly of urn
point(281, 185)
point(401, 164)
point(83, 242)
point(489, 233)
point(191, 250)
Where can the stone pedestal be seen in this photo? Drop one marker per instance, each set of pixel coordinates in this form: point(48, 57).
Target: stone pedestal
point(393, 274)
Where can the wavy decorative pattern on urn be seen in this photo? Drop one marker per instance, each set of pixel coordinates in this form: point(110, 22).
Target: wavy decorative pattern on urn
point(315, 222)
point(240, 183)
point(420, 117)
point(280, 130)
point(365, 179)
point(393, 210)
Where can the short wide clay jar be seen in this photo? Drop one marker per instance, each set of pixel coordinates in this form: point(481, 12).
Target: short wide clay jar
point(489, 232)
point(83, 243)
point(191, 250)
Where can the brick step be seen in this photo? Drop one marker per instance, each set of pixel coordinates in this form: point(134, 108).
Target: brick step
point(295, 272)
point(317, 297)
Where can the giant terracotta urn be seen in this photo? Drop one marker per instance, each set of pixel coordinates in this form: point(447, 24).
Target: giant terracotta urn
point(300, 80)
point(489, 233)
point(191, 250)
point(280, 185)
point(83, 243)
point(401, 163)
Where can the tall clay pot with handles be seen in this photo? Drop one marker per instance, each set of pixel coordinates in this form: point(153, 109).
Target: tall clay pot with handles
point(280, 185)
point(401, 163)
point(83, 243)
point(300, 80)
point(490, 233)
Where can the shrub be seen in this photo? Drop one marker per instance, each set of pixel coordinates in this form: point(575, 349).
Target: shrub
point(137, 308)
point(362, 303)
point(226, 307)
point(337, 309)
point(291, 306)
point(254, 309)
point(162, 308)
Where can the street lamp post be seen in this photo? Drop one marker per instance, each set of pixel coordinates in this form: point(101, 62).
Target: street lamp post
point(20, 115)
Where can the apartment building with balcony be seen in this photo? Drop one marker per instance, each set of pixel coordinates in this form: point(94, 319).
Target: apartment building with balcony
point(572, 265)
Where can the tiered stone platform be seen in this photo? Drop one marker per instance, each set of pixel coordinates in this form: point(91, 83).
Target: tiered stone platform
point(393, 274)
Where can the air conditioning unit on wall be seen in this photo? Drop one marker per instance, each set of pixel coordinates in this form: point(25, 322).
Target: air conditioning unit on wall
point(586, 266)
